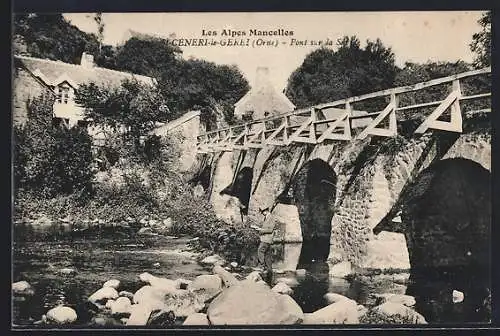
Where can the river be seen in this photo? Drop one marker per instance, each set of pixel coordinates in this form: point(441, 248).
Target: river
point(68, 269)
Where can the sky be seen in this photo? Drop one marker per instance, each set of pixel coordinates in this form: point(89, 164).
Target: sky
point(413, 36)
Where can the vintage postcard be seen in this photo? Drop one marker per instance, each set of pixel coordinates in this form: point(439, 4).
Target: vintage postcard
point(292, 169)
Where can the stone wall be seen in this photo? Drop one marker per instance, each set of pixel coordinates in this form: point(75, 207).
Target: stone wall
point(25, 88)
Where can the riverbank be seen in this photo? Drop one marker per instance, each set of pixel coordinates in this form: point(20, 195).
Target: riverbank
point(66, 270)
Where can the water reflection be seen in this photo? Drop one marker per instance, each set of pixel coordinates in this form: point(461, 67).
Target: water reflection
point(313, 287)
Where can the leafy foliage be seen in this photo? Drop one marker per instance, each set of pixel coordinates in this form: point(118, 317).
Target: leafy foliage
point(51, 160)
point(328, 75)
point(413, 73)
point(481, 42)
point(132, 109)
point(52, 36)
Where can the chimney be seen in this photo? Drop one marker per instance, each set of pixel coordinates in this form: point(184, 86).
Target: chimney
point(87, 60)
point(262, 77)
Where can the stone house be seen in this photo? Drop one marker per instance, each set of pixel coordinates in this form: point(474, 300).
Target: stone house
point(63, 79)
point(263, 99)
point(26, 87)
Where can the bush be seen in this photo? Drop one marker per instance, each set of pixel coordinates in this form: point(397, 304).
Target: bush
point(48, 159)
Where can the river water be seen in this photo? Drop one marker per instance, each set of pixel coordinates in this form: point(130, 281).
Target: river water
point(67, 269)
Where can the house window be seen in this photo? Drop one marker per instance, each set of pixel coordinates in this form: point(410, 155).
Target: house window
point(63, 94)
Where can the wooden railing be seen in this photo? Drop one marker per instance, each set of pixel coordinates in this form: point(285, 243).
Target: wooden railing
point(312, 125)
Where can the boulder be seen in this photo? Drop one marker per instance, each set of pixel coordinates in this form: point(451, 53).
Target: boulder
point(406, 300)
point(150, 296)
point(262, 283)
point(393, 313)
point(249, 303)
point(161, 318)
point(197, 319)
point(254, 276)
point(103, 294)
point(289, 281)
point(457, 296)
point(206, 286)
point(126, 294)
point(282, 288)
point(212, 260)
point(183, 303)
point(344, 311)
point(334, 297)
point(113, 283)
point(121, 306)
point(109, 303)
point(234, 264)
point(166, 285)
point(61, 315)
point(139, 315)
point(227, 278)
point(22, 288)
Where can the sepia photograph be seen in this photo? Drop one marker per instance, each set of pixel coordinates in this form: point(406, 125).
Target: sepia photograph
point(292, 169)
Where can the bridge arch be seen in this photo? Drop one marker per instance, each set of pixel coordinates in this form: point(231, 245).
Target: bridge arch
point(445, 214)
point(313, 191)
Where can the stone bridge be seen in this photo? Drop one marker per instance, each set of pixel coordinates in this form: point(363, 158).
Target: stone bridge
point(363, 190)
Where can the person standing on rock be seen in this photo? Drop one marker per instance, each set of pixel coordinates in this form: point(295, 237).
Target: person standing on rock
point(266, 240)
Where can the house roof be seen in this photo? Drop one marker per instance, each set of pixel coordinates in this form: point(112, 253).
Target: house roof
point(56, 72)
point(264, 98)
point(18, 63)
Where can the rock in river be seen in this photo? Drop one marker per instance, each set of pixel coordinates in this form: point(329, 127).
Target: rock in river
point(250, 303)
point(282, 288)
point(22, 288)
point(166, 285)
point(113, 283)
point(391, 313)
point(344, 311)
point(139, 315)
point(212, 260)
point(127, 295)
point(161, 318)
point(405, 300)
point(196, 319)
point(61, 315)
point(103, 294)
point(121, 306)
point(206, 286)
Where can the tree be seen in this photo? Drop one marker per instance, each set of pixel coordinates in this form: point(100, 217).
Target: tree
point(211, 88)
point(481, 42)
point(52, 36)
point(150, 56)
point(131, 109)
point(100, 29)
point(413, 73)
point(328, 75)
